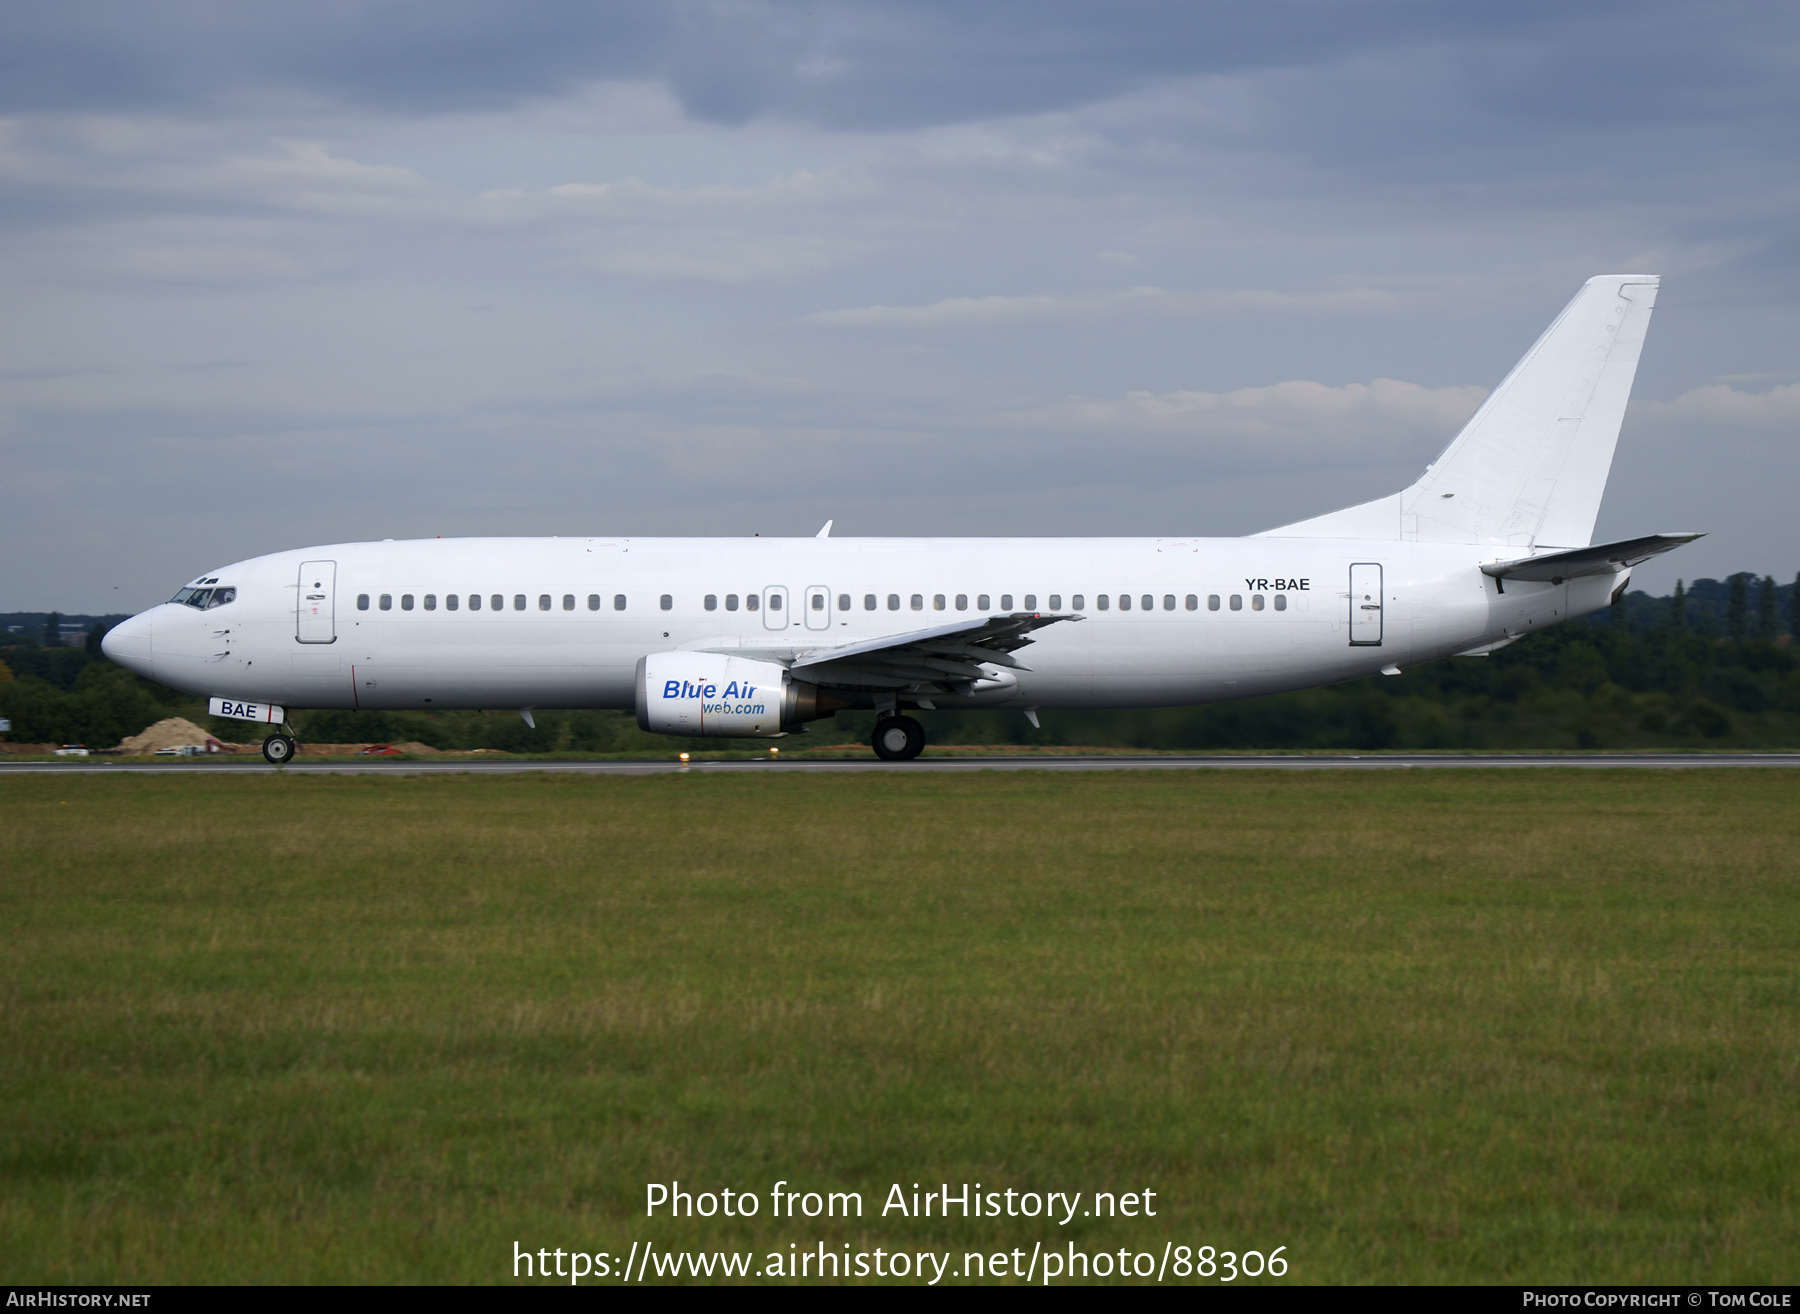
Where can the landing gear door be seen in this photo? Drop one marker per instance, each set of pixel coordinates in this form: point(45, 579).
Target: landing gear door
point(1365, 605)
point(818, 607)
point(316, 618)
point(775, 608)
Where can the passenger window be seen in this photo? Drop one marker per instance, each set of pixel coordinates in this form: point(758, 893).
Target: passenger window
point(593, 602)
point(982, 603)
point(1056, 602)
point(918, 602)
point(498, 602)
point(518, 602)
point(1006, 602)
point(962, 601)
point(1169, 602)
point(474, 602)
point(386, 602)
point(1256, 602)
point(1124, 602)
point(668, 602)
point(1102, 601)
point(1149, 602)
point(543, 602)
point(1237, 602)
point(1281, 602)
point(431, 602)
point(711, 602)
point(1077, 603)
point(568, 602)
point(937, 601)
point(362, 601)
point(618, 602)
point(843, 602)
point(868, 602)
point(751, 602)
point(1031, 602)
point(818, 602)
point(452, 601)
point(774, 602)
point(406, 601)
point(731, 601)
point(893, 602)
point(1212, 601)
point(1193, 603)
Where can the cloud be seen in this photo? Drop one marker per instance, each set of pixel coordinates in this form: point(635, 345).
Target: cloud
point(976, 310)
point(1776, 408)
point(965, 310)
point(526, 267)
point(1272, 428)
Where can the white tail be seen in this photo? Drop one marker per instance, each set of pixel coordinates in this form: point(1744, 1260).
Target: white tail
point(1528, 471)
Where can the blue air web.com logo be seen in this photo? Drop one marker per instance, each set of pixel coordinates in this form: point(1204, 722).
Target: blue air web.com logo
point(726, 707)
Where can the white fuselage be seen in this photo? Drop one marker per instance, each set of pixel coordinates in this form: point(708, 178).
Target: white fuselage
point(560, 639)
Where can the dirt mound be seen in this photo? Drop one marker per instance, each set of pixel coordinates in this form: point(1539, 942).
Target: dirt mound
point(171, 733)
point(413, 746)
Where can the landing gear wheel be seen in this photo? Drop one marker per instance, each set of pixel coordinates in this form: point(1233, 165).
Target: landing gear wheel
point(898, 739)
point(279, 749)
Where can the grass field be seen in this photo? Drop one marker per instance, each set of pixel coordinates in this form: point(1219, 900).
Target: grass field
point(1415, 1027)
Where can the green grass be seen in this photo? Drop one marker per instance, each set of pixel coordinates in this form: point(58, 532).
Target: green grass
point(1415, 1027)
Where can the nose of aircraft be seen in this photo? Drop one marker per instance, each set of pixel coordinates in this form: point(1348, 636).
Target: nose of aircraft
point(128, 644)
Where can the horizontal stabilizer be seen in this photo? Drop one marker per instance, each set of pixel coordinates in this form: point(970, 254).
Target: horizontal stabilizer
point(1601, 559)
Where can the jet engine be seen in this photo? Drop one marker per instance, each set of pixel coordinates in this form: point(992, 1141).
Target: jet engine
point(707, 693)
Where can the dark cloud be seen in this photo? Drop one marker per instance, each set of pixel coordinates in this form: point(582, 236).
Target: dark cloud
point(891, 64)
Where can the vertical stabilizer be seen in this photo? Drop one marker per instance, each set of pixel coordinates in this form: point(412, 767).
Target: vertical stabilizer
point(1528, 471)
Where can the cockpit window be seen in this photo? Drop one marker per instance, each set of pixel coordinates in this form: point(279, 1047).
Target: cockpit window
point(205, 599)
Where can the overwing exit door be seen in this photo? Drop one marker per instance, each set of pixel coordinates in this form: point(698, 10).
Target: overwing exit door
point(775, 608)
point(818, 607)
point(316, 615)
point(1365, 604)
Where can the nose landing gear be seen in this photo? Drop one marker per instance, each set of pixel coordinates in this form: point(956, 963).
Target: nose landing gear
point(898, 739)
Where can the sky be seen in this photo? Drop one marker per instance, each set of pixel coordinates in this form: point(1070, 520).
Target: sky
point(276, 276)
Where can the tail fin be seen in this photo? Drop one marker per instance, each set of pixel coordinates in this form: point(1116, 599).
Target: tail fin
point(1528, 471)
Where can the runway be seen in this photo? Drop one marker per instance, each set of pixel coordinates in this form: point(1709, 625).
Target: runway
point(796, 763)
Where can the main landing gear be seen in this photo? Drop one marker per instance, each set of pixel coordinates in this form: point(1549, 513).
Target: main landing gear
point(280, 748)
point(898, 739)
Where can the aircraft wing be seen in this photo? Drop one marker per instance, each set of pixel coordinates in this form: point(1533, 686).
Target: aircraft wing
point(1601, 559)
point(944, 659)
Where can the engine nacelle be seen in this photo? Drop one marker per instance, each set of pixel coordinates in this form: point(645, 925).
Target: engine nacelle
point(709, 693)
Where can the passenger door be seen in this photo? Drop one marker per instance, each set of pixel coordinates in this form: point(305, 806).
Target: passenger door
point(1365, 604)
point(316, 615)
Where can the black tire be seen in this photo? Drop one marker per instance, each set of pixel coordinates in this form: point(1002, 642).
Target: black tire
point(897, 739)
point(279, 749)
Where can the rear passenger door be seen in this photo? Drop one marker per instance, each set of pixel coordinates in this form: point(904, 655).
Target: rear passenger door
point(1365, 605)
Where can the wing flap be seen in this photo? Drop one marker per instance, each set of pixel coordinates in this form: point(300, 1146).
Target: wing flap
point(946, 659)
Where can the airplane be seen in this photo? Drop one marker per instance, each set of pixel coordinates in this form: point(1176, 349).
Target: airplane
point(754, 638)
